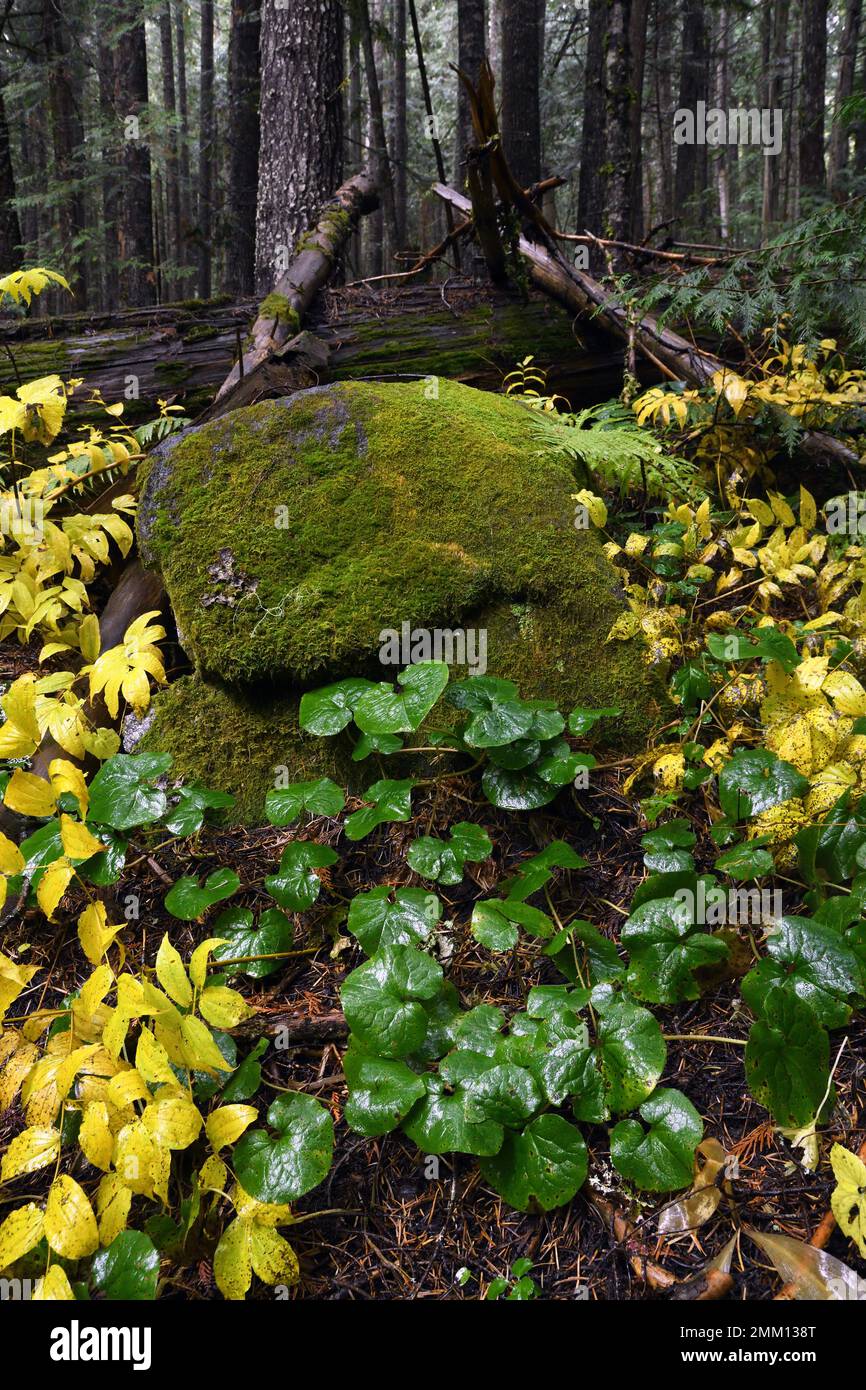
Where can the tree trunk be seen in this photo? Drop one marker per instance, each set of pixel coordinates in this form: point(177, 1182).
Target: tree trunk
point(108, 120)
point(619, 97)
point(471, 47)
point(67, 139)
point(10, 227)
point(778, 67)
point(401, 138)
point(243, 146)
point(691, 172)
point(300, 158)
point(520, 122)
point(185, 187)
point(204, 219)
point(637, 64)
point(663, 112)
point(135, 221)
point(590, 199)
point(813, 76)
point(838, 157)
point(169, 102)
point(387, 226)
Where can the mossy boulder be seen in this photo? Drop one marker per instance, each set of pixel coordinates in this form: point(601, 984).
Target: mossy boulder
point(290, 534)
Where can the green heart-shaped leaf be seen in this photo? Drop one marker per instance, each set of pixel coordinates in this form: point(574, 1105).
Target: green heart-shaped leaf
point(271, 935)
point(665, 948)
point(378, 921)
point(320, 797)
point(382, 1091)
point(188, 899)
point(756, 779)
point(381, 710)
point(123, 792)
point(443, 860)
point(811, 960)
point(282, 1167)
point(661, 1158)
point(327, 711)
point(788, 1059)
point(127, 1270)
point(295, 885)
point(187, 816)
point(545, 1165)
point(383, 1000)
point(392, 801)
point(631, 1048)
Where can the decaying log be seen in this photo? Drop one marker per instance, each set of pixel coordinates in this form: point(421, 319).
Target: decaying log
point(135, 356)
point(296, 287)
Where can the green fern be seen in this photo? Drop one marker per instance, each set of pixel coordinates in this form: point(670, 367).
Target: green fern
point(621, 454)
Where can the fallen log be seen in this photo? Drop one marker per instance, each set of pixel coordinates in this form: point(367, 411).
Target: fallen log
point(282, 312)
point(136, 356)
point(579, 292)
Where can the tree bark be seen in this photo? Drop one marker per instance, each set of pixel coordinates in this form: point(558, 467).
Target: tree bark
point(169, 102)
point(378, 140)
point(520, 122)
point(690, 181)
point(813, 77)
point(135, 220)
point(839, 138)
point(471, 47)
point(777, 69)
point(243, 146)
point(401, 135)
point(300, 159)
point(185, 187)
point(67, 139)
point(619, 98)
point(10, 226)
point(205, 152)
point(637, 65)
point(590, 198)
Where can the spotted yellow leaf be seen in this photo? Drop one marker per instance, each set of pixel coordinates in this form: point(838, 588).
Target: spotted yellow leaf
point(70, 1222)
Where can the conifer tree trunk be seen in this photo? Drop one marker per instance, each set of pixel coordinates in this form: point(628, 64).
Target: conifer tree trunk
point(243, 145)
point(135, 216)
point(300, 161)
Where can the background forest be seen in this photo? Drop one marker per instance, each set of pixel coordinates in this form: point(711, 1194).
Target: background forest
point(143, 142)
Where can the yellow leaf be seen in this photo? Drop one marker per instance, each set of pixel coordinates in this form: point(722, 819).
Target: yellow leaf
point(127, 1087)
point(847, 694)
point(200, 1052)
point(95, 1137)
point(67, 777)
point(30, 795)
point(808, 509)
point(77, 841)
point(29, 1151)
point(152, 1060)
point(272, 1258)
point(94, 933)
point(70, 1223)
point(213, 1175)
point(223, 1007)
point(625, 626)
point(594, 506)
point(14, 1071)
point(54, 1287)
point(848, 1201)
point(134, 1156)
point(171, 974)
point(199, 959)
point(232, 1264)
point(668, 771)
point(113, 1200)
point(174, 1122)
point(53, 884)
point(21, 1230)
point(228, 1123)
point(88, 637)
point(11, 858)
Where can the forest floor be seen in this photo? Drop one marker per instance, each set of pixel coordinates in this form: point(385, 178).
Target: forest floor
point(390, 1223)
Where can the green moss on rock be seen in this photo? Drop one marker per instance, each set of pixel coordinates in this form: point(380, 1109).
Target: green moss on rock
point(291, 533)
point(235, 741)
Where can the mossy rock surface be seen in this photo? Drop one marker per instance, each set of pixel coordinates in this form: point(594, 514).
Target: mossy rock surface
point(290, 534)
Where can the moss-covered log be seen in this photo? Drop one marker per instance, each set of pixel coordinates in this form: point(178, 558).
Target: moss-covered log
point(466, 332)
point(136, 356)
